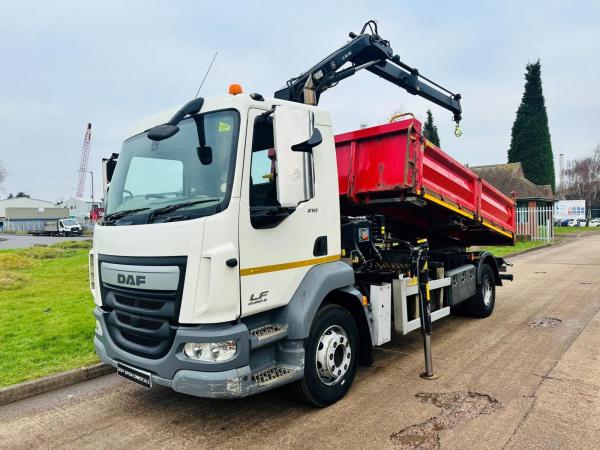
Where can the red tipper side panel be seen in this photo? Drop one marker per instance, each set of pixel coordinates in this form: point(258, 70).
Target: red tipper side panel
point(377, 159)
point(449, 179)
point(497, 208)
point(343, 165)
point(392, 161)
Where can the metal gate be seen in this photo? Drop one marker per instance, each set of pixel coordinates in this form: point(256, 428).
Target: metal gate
point(536, 223)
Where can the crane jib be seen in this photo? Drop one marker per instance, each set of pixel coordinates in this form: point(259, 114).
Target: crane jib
point(373, 53)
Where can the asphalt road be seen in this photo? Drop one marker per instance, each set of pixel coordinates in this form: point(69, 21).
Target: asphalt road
point(527, 377)
point(22, 241)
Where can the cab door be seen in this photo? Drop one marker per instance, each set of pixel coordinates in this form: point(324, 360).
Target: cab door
point(277, 245)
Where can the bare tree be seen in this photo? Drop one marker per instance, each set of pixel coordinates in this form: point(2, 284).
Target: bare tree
point(582, 179)
point(2, 175)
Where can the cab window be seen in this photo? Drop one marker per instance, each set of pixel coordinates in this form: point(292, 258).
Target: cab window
point(263, 167)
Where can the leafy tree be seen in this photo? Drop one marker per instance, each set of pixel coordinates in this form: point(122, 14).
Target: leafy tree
point(11, 195)
point(2, 175)
point(430, 129)
point(22, 194)
point(530, 142)
point(582, 179)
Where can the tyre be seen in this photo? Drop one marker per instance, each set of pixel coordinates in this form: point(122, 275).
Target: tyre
point(482, 304)
point(331, 355)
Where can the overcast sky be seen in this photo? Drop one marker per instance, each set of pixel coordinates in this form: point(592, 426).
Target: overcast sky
point(113, 63)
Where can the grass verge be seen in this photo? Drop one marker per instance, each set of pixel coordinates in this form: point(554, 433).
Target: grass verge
point(559, 232)
point(46, 321)
point(575, 230)
point(505, 250)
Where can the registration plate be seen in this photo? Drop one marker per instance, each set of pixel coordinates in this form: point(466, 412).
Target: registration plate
point(138, 376)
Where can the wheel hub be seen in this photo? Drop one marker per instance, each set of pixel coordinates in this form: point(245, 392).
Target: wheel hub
point(487, 291)
point(333, 355)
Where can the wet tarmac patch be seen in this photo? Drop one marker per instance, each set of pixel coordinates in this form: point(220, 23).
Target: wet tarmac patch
point(456, 408)
point(545, 322)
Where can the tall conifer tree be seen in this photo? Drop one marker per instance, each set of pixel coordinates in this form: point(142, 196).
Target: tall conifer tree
point(530, 142)
point(430, 129)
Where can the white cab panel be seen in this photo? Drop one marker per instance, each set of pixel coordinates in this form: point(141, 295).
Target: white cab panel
point(218, 285)
point(281, 256)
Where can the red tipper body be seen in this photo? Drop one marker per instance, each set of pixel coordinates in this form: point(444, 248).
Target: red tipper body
point(392, 170)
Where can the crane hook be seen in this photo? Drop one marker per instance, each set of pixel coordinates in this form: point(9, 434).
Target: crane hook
point(457, 130)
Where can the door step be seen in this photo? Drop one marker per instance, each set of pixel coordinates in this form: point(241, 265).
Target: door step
point(273, 375)
point(266, 334)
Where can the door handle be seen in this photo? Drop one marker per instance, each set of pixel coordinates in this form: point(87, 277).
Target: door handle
point(231, 262)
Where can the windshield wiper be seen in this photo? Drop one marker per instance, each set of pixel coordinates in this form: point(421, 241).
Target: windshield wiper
point(176, 206)
point(110, 218)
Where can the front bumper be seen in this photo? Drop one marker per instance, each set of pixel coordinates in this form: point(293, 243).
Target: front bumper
point(231, 379)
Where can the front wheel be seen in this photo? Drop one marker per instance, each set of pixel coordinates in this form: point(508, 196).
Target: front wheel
point(482, 305)
point(331, 355)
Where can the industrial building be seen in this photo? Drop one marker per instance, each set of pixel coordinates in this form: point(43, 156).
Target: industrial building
point(80, 208)
point(21, 202)
point(31, 219)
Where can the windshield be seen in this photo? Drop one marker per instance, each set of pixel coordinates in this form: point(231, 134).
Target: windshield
point(69, 222)
point(195, 167)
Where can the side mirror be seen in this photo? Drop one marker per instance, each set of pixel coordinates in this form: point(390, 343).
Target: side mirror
point(162, 132)
point(205, 155)
point(108, 168)
point(166, 130)
point(295, 136)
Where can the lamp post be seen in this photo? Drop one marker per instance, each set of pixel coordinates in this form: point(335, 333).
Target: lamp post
point(91, 173)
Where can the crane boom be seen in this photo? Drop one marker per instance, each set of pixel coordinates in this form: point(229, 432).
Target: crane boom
point(83, 163)
point(370, 52)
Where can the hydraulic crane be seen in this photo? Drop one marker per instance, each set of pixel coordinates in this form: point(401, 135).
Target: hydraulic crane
point(371, 52)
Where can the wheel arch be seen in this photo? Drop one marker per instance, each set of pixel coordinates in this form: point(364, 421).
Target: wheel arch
point(486, 258)
point(327, 283)
point(318, 282)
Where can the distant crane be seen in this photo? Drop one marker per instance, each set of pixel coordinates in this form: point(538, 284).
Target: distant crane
point(83, 164)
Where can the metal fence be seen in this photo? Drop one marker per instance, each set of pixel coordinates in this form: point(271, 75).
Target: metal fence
point(536, 223)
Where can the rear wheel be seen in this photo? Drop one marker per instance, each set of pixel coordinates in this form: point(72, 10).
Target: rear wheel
point(482, 304)
point(331, 354)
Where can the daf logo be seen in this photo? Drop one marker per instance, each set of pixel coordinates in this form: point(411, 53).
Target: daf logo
point(131, 280)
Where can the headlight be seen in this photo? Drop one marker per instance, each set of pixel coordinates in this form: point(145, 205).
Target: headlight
point(210, 351)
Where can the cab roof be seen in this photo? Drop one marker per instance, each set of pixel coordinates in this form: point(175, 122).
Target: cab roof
point(241, 102)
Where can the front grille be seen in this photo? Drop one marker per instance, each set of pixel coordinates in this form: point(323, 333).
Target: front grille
point(163, 304)
point(140, 340)
point(142, 321)
point(138, 302)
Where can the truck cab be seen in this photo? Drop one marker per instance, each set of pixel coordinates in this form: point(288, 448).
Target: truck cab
point(216, 244)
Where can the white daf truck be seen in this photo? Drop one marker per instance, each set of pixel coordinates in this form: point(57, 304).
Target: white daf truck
point(224, 265)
